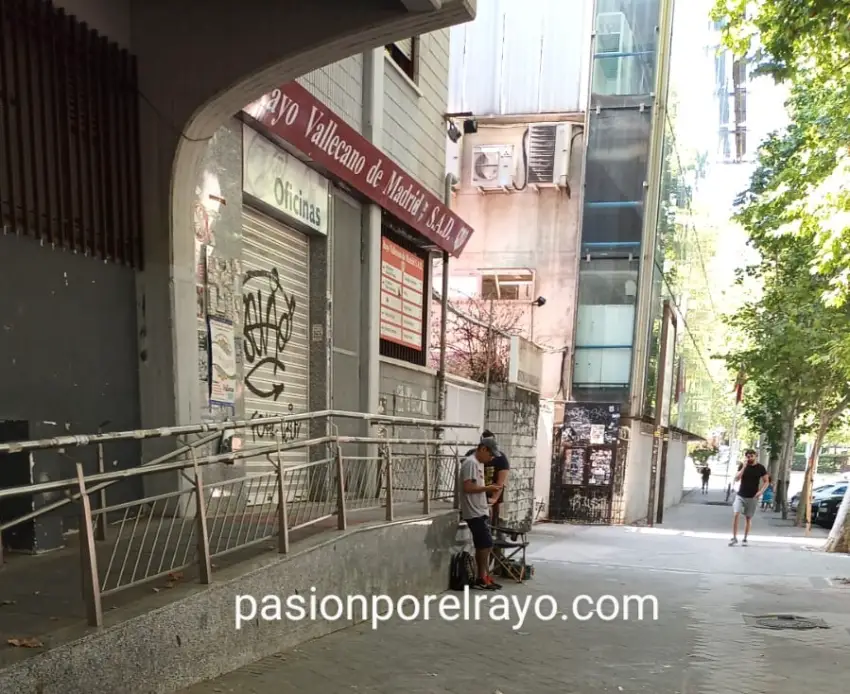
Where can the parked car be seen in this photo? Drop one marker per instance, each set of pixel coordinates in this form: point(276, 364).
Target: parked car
point(817, 491)
point(825, 507)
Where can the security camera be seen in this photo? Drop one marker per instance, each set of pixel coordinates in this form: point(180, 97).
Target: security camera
point(453, 132)
point(539, 301)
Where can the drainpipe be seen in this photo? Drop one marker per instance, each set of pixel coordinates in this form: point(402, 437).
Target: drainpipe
point(442, 392)
point(373, 126)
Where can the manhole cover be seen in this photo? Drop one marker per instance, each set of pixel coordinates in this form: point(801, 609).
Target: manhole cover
point(785, 621)
point(718, 503)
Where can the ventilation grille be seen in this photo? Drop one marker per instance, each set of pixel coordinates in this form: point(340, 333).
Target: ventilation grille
point(541, 153)
point(69, 165)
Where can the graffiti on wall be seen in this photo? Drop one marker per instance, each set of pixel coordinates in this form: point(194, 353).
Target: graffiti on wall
point(269, 313)
point(289, 431)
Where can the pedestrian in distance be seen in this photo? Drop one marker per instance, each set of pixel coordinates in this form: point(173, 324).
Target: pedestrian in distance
point(754, 480)
point(767, 497)
point(706, 474)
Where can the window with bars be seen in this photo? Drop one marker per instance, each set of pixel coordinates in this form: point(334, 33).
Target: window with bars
point(405, 54)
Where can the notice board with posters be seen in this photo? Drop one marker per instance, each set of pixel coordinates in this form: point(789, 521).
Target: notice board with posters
point(402, 295)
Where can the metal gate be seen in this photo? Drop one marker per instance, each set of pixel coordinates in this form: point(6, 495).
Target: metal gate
point(275, 301)
point(585, 465)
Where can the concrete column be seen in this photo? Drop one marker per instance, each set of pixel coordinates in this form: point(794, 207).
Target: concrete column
point(373, 127)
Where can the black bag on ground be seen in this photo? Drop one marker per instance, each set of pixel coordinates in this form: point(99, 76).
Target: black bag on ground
point(462, 571)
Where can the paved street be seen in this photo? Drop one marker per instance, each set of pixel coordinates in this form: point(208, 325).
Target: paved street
point(700, 644)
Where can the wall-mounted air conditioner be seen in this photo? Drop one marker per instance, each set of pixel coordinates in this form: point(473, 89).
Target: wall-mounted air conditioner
point(493, 167)
point(549, 150)
point(614, 75)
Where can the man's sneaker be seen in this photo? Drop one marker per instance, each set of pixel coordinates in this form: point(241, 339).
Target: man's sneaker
point(744, 542)
point(493, 585)
point(733, 542)
point(481, 584)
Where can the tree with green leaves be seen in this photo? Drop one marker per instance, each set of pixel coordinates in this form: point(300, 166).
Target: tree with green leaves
point(799, 197)
point(792, 336)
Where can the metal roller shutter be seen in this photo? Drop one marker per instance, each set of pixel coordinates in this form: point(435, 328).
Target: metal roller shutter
point(276, 349)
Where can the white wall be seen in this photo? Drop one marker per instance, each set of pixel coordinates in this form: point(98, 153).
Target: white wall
point(674, 483)
point(521, 56)
point(543, 469)
point(464, 404)
point(638, 468)
point(519, 230)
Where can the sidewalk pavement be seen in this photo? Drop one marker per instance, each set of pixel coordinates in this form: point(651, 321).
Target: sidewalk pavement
point(701, 643)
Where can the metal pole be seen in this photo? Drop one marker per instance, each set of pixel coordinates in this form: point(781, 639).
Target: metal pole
point(489, 358)
point(389, 473)
point(660, 408)
point(204, 558)
point(426, 485)
point(91, 577)
point(732, 448)
point(100, 532)
point(444, 312)
point(342, 519)
point(283, 511)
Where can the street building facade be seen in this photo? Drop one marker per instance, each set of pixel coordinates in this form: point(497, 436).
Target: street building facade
point(184, 250)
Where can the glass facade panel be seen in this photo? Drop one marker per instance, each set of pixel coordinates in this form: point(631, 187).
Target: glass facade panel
point(617, 156)
point(618, 141)
point(605, 323)
point(626, 38)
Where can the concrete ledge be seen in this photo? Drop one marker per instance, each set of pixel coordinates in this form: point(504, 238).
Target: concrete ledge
point(177, 645)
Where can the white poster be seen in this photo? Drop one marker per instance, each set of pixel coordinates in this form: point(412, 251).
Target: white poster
point(223, 362)
point(597, 434)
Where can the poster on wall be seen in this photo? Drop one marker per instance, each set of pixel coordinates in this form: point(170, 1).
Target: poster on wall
point(223, 362)
point(402, 295)
point(221, 286)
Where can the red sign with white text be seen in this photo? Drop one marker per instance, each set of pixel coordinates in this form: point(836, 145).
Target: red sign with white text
point(402, 293)
point(295, 115)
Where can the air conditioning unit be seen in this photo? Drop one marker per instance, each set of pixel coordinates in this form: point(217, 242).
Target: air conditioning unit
point(549, 150)
point(614, 76)
point(493, 167)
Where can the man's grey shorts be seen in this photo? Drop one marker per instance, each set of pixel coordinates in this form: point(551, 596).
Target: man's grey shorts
point(746, 506)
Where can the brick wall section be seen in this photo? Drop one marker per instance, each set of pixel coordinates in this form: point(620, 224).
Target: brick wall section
point(339, 86)
point(513, 417)
point(414, 129)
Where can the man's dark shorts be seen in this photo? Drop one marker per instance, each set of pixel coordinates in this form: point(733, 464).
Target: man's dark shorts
point(480, 529)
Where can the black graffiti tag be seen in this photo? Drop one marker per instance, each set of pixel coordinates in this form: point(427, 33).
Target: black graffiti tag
point(269, 314)
point(289, 431)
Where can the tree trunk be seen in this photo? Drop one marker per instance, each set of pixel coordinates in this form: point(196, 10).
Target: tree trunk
point(839, 536)
point(786, 457)
point(811, 470)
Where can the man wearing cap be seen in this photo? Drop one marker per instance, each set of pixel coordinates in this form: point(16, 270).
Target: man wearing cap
point(475, 510)
point(754, 480)
point(495, 472)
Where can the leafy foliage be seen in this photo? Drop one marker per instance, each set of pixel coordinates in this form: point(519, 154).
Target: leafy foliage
point(702, 453)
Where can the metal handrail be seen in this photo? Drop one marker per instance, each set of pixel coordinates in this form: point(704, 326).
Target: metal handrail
point(183, 430)
point(200, 518)
point(104, 480)
point(115, 476)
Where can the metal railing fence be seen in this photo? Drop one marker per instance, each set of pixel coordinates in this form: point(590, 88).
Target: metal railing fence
point(128, 544)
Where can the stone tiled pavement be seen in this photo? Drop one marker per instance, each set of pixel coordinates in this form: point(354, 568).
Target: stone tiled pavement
point(699, 645)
